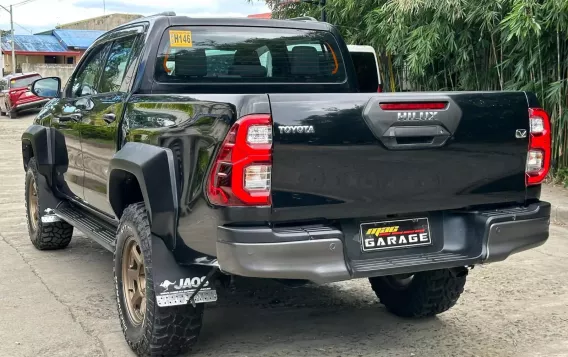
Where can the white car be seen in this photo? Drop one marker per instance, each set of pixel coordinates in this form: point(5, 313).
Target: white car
point(367, 67)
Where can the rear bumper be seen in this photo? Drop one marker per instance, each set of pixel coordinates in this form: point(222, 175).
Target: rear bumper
point(326, 254)
point(30, 105)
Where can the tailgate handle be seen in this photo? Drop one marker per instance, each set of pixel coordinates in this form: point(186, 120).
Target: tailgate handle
point(415, 137)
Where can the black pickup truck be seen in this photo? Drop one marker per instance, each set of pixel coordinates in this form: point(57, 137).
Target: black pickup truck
point(196, 149)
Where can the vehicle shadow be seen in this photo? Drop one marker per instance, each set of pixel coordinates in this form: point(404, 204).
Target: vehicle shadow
point(259, 317)
point(272, 319)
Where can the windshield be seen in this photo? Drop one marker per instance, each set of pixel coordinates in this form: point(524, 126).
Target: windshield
point(21, 82)
point(207, 54)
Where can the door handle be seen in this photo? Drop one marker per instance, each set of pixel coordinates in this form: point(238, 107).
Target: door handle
point(70, 117)
point(415, 137)
point(109, 117)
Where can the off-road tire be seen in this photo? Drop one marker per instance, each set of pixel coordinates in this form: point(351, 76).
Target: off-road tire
point(12, 114)
point(45, 236)
point(429, 293)
point(164, 331)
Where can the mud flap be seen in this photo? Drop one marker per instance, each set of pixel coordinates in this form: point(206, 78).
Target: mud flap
point(47, 201)
point(175, 284)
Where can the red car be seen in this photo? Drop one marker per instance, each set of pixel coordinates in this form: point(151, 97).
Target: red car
point(16, 96)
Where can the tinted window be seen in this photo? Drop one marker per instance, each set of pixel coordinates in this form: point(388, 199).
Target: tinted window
point(86, 80)
point(116, 64)
point(367, 73)
point(23, 82)
point(236, 54)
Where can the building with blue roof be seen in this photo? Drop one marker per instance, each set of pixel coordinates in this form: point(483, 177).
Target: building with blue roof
point(77, 39)
point(36, 49)
point(63, 45)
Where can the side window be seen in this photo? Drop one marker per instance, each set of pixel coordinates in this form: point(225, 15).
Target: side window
point(85, 82)
point(116, 64)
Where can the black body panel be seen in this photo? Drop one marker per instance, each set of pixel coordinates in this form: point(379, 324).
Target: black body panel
point(158, 190)
point(345, 169)
point(38, 139)
point(191, 128)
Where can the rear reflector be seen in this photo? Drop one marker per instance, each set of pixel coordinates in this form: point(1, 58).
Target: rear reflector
point(241, 173)
point(257, 177)
point(535, 161)
point(538, 156)
point(414, 106)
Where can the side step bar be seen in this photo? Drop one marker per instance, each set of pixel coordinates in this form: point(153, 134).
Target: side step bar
point(95, 229)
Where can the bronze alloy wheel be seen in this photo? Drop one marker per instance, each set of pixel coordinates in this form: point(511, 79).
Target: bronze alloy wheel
point(134, 281)
point(33, 208)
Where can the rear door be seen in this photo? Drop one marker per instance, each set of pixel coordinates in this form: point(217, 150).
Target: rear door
point(358, 155)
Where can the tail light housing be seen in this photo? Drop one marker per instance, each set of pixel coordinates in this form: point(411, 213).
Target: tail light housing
point(241, 173)
point(538, 156)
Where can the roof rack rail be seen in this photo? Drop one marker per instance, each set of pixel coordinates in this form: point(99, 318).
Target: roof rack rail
point(304, 18)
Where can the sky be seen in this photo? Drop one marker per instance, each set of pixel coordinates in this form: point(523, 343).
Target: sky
point(41, 15)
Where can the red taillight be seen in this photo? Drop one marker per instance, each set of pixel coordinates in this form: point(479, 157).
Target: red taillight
point(414, 106)
point(241, 174)
point(538, 156)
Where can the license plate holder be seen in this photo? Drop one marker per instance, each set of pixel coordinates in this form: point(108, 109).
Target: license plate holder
point(398, 234)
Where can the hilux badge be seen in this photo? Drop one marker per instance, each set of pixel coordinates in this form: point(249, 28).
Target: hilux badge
point(520, 133)
point(411, 116)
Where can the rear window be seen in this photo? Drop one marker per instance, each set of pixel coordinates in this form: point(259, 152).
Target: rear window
point(367, 72)
point(18, 82)
point(259, 55)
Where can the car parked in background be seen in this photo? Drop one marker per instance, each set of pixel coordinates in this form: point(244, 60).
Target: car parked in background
point(15, 95)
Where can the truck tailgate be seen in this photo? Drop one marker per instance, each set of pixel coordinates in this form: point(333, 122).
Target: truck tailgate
point(350, 155)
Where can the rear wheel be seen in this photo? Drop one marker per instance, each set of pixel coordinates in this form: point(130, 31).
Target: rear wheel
point(44, 236)
point(421, 294)
point(150, 330)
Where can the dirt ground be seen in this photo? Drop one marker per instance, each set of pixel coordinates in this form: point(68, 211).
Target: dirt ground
point(62, 303)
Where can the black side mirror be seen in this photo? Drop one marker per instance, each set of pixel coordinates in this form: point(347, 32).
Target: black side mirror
point(49, 87)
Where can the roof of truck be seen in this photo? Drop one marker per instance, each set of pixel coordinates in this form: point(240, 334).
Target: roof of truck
point(251, 22)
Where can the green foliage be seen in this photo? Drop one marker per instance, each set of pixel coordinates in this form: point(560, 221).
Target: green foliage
point(462, 45)
point(561, 177)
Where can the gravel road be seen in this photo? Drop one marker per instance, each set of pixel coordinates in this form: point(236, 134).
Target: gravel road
point(61, 303)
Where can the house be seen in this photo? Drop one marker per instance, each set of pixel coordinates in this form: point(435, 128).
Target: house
point(36, 49)
point(75, 40)
point(62, 46)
